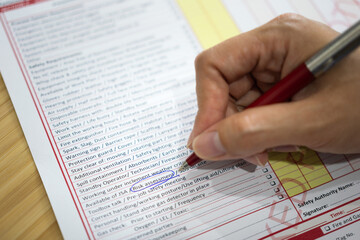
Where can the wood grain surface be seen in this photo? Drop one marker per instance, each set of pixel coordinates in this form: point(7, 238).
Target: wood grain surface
point(25, 210)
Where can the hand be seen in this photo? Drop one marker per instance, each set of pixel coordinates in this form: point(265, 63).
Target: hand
point(324, 116)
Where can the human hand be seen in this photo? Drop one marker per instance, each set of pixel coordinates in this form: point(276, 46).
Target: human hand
point(324, 116)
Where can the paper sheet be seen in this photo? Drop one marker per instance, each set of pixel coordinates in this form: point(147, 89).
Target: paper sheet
point(104, 91)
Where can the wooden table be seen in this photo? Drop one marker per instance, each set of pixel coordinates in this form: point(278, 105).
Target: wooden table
point(25, 210)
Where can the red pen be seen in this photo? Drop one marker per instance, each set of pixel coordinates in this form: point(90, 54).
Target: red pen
point(304, 74)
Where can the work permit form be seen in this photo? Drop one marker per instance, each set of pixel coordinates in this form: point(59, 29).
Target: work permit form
point(105, 94)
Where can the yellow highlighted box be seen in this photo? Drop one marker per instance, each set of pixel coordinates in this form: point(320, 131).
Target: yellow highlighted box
point(209, 20)
point(312, 168)
point(288, 173)
point(299, 172)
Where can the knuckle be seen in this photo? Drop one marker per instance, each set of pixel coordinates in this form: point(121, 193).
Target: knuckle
point(288, 18)
point(201, 59)
point(289, 22)
point(206, 58)
point(299, 24)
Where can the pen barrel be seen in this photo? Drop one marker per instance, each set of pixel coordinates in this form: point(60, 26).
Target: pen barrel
point(334, 51)
point(193, 159)
point(286, 87)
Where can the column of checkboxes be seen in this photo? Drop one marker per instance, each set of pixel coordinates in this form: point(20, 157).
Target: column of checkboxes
point(273, 183)
point(268, 176)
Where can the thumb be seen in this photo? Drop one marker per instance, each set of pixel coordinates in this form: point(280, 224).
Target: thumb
point(255, 130)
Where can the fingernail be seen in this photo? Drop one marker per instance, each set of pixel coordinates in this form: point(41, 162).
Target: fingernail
point(189, 143)
point(259, 159)
point(289, 148)
point(208, 145)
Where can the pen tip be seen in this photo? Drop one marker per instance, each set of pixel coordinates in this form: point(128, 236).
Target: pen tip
point(184, 166)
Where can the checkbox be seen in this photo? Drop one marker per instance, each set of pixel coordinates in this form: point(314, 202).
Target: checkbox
point(327, 228)
point(272, 183)
point(268, 176)
point(265, 170)
point(280, 196)
point(277, 190)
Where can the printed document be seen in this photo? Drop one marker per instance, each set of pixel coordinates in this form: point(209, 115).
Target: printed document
point(105, 94)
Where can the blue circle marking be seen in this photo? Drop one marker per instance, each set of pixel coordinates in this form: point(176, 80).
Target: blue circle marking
point(156, 183)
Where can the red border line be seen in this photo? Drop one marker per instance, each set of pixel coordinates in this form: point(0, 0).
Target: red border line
point(19, 5)
point(37, 109)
